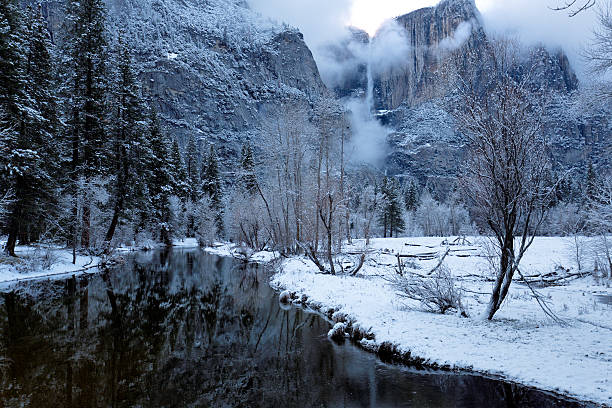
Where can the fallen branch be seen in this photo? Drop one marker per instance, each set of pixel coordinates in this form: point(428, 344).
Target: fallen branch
point(358, 268)
point(440, 262)
point(312, 255)
point(543, 304)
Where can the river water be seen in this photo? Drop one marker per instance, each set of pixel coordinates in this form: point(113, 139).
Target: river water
point(186, 329)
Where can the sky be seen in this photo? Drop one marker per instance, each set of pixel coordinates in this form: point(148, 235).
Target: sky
point(532, 21)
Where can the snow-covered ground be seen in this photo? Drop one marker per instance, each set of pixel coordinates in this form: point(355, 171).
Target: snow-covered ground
point(521, 344)
point(34, 262)
point(235, 251)
point(37, 263)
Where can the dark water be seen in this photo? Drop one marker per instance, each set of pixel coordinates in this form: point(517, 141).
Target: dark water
point(185, 329)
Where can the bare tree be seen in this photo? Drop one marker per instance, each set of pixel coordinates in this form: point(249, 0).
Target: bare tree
point(600, 222)
point(599, 54)
point(574, 7)
point(505, 173)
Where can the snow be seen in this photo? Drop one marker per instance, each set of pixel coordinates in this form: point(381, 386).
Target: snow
point(236, 251)
point(29, 265)
point(185, 243)
point(521, 344)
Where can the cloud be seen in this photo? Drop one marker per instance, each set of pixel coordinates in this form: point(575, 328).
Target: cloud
point(459, 37)
point(318, 20)
point(369, 138)
point(389, 47)
point(533, 22)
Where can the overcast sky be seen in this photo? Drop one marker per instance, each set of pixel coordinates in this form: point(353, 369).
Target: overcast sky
point(532, 20)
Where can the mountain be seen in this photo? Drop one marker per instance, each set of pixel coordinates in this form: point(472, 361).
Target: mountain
point(408, 97)
point(214, 68)
point(218, 71)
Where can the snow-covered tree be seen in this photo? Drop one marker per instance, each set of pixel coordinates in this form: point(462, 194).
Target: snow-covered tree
point(391, 215)
point(211, 187)
point(162, 185)
point(85, 88)
point(247, 179)
point(600, 223)
point(28, 125)
point(505, 174)
point(130, 151)
point(178, 172)
point(192, 169)
point(411, 196)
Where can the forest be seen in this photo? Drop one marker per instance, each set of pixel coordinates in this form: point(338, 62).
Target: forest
point(86, 163)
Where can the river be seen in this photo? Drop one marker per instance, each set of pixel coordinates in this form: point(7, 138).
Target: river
point(186, 329)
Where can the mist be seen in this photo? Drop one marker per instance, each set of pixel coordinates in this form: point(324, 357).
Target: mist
point(534, 23)
point(340, 55)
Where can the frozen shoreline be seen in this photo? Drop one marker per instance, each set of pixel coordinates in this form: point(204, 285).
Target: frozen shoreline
point(14, 270)
point(520, 345)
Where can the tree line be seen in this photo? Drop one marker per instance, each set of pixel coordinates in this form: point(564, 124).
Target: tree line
point(84, 156)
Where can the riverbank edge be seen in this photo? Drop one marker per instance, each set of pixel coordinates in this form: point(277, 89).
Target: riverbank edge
point(392, 353)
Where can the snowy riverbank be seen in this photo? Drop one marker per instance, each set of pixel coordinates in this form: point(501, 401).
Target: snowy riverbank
point(38, 262)
point(521, 344)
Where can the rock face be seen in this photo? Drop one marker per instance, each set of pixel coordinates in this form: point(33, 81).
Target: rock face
point(213, 68)
point(351, 79)
point(427, 31)
point(424, 143)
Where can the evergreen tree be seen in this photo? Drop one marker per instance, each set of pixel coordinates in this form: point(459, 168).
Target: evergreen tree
point(247, 179)
point(162, 183)
point(28, 124)
point(411, 197)
point(591, 183)
point(85, 96)
point(179, 172)
point(131, 155)
point(391, 210)
point(211, 187)
point(191, 165)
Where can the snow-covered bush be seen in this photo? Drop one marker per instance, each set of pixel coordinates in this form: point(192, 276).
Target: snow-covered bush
point(441, 219)
point(204, 222)
point(436, 293)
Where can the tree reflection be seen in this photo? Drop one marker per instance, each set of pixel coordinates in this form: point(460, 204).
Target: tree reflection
point(185, 328)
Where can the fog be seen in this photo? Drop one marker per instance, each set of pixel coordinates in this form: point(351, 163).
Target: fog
point(533, 21)
point(325, 22)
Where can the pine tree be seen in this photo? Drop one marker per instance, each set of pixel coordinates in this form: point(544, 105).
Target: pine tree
point(191, 165)
point(162, 183)
point(591, 183)
point(391, 212)
point(85, 96)
point(179, 172)
point(11, 99)
point(28, 124)
point(131, 154)
point(211, 187)
point(247, 179)
point(412, 197)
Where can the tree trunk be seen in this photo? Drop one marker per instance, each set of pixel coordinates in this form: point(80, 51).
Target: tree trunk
point(12, 239)
point(504, 276)
point(329, 249)
point(113, 225)
point(85, 232)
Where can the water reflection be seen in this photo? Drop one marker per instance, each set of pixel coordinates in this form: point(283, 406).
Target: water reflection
point(181, 328)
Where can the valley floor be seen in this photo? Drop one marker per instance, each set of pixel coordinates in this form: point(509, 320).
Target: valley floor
point(521, 344)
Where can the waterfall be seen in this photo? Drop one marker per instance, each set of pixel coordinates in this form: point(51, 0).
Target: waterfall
point(369, 136)
point(370, 81)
